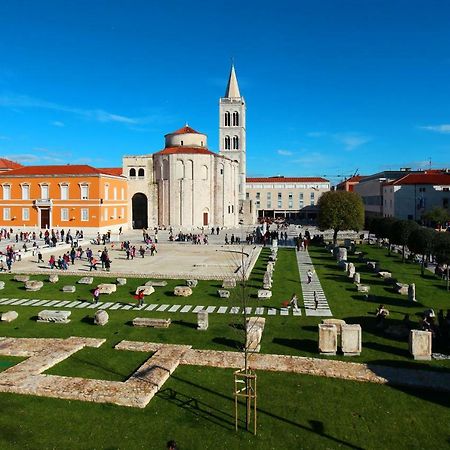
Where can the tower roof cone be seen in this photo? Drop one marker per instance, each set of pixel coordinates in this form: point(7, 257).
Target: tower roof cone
point(232, 86)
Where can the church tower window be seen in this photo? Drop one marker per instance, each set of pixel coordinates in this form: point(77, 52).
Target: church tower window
point(235, 119)
point(227, 119)
point(227, 143)
point(235, 142)
point(132, 173)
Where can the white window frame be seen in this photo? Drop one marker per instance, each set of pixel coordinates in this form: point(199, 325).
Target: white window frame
point(45, 188)
point(64, 214)
point(115, 193)
point(84, 189)
point(6, 213)
point(64, 191)
point(122, 194)
point(105, 214)
point(84, 214)
point(25, 191)
point(106, 191)
point(26, 214)
point(6, 192)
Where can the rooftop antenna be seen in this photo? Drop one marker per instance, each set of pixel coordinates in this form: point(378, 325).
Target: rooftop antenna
point(430, 162)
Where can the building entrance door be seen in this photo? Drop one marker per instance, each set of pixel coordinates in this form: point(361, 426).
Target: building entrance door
point(45, 218)
point(139, 206)
point(205, 219)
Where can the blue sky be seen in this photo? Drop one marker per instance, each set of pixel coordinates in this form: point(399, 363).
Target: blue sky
point(332, 86)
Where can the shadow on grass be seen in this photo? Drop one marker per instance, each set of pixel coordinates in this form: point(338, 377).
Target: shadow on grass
point(227, 342)
point(184, 324)
point(87, 319)
point(226, 420)
point(306, 345)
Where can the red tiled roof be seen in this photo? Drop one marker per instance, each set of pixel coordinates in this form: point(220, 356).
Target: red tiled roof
point(433, 178)
point(354, 179)
point(117, 171)
point(6, 164)
point(188, 150)
point(287, 180)
point(69, 169)
point(185, 130)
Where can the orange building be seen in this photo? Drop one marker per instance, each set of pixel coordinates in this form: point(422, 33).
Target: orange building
point(70, 196)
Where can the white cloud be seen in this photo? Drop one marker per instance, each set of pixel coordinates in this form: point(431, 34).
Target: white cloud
point(443, 128)
point(311, 158)
point(4, 138)
point(99, 115)
point(316, 134)
point(352, 140)
point(57, 123)
point(284, 152)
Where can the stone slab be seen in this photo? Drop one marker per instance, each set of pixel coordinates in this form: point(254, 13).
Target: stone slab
point(116, 306)
point(54, 316)
point(186, 308)
point(69, 289)
point(151, 322)
point(107, 288)
point(70, 305)
point(211, 309)
point(82, 305)
point(351, 339)
point(174, 308)
point(223, 293)
point(264, 293)
point(182, 291)
point(8, 316)
point(85, 280)
point(197, 309)
point(222, 309)
point(162, 307)
point(271, 311)
point(101, 317)
point(106, 305)
point(156, 283)
point(234, 310)
point(327, 339)
point(148, 290)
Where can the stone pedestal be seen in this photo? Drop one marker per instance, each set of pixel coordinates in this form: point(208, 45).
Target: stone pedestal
point(85, 280)
point(121, 281)
point(357, 278)
point(182, 291)
point(9, 316)
point(254, 328)
point(412, 292)
point(202, 320)
point(351, 340)
point(420, 344)
point(229, 283)
point(351, 270)
point(264, 293)
point(22, 278)
point(151, 322)
point(275, 243)
point(401, 288)
point(55, 316)
point(191, 283)
point(107, 288)
point(342, 254)
point(33, 285)
point(223, 293)
point(148, 290)
point(338, 323)
point(363, 288)
point(69, 289)
point(156, 283)
point(53, 278)
point(327, 339)
point(101, 317)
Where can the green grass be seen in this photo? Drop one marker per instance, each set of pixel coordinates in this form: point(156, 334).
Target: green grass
point(196, 407)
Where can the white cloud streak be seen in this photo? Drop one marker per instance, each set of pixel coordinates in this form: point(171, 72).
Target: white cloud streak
point(57, 123)
point(284, 152)
point(443, 128)
point(351, 141)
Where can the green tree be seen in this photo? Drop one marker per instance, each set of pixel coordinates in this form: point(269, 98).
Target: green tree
point(421, 241)
point(400, 232)
point(382, 228)
point(437, 216)
point(340, 210)
point(442, 251)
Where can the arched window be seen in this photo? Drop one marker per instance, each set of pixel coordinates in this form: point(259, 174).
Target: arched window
point(227, 118)
point(132, 173)
point(141, 173)
point(204, 172)
point(235, 119)
point(227, 143)
point(180, 169)
point(235, 142)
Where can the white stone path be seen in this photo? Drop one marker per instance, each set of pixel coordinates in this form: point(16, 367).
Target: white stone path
point(259, 310)
point(304, 264)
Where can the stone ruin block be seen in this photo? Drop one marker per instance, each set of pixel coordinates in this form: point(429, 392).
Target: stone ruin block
point(267, 281)
point(372, 264)
point(22, 278)
point(412, 292)
point(191, 283)
point(156, 283)
point(9, 316)
point(275, 244)
point(327, 339)
point(151, 322)
point(223, 293)
point(254, 328)
point(107, 288)
point(420, 344)
point(33, 285)
point(342, 254)
point(55, 316)
point(182, 291)
point(69, 289)
point(270, 267)
point(357, 278)
point(202, 320)
point(339, 323)
point(229, 283)
point(363, 288)
point(121, 281)
point(85, 280)
point(343, 265)
point(101, 317)
point(2, 285)
point(148, 290)
point(53, 278)
point(351, 270)
point(351, 339)
point(401, 288)
point(264, 293)
point(384, 274)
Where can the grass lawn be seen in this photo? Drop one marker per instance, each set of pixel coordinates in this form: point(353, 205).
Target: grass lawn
point(196, 407)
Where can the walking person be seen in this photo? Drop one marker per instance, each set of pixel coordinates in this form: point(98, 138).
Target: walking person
point(140, 297)
point(293, 302)
point(316, 300)
point(96, 295)
point(309, 275)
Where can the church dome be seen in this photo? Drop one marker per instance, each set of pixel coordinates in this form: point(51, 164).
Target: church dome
point(185, 137)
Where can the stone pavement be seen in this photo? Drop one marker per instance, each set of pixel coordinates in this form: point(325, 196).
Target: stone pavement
point(304, 264)
point(79, 304)
point(27, 377)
